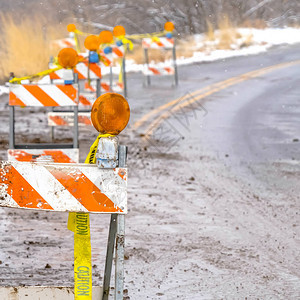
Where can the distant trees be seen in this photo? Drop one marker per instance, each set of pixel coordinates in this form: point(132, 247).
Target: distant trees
point(190, 16)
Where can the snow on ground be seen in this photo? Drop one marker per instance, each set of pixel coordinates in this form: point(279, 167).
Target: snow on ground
point(3, 90)
point(261, 41)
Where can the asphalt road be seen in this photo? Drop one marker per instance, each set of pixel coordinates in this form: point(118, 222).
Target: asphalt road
point(213, 202)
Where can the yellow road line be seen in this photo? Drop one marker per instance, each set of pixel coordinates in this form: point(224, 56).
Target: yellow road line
point(200, 94)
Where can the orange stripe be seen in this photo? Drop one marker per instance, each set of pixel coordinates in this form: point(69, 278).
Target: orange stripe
point(84, 190)
point(154, 71)
point(58, 120)
point(67, 43)
point(21, 155)
point(58, 156)
point(80, 76)
point(21, 191)
point(94, 68)
point(122, 174)
point(120, 84)
point(145, 44)
point(84, 101)
point(159, 43)
point(105, 86)
point(84, 120)
point(14, 100)
point(54, 75)
point(69, 90)
point(40, 95)
point(118, 52)
point(87, 86)
point(168, 69)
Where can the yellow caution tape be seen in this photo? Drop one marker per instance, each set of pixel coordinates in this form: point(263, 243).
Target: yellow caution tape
point(81, 33)
point(40, 74)
point(125, 41)
point(155, 39)
point(79, 223)
point(91, 158)
point(76, 42)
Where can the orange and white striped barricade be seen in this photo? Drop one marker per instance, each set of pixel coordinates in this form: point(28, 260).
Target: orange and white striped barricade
point(105, 86)
point(109, 61)
point(158, 70)
point(84, 70)
point(67, 119)
point(64, 43)
point(164, 44)
point(40, 155)
point(63, 187)
point(43, 95)
point(87, 72)
point(80, 188)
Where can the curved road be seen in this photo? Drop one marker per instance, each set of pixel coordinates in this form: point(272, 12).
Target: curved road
point(214, 189)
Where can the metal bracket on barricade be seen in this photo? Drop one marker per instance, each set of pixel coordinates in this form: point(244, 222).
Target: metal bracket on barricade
point(152, 70)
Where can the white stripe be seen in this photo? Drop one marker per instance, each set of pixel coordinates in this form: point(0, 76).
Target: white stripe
point(25, 96)
point(57, 95)
point(46, 185)
point(7, 201)
point(60, 73)
point(110, 184)
point(83, 69)
point(67, 117)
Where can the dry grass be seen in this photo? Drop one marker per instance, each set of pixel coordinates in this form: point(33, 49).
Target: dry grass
point(210, 34)
point(155, 55)
point(256, 23)
point(25, 45)
point(225, 36)
point(184, 48)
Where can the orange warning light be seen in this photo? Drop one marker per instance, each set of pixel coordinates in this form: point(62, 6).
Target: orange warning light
point(119, 31)
point(110, 113)
point(106, 37)
point(169, 26)
point(71, 27)
point(68, 58)
point(92, 42)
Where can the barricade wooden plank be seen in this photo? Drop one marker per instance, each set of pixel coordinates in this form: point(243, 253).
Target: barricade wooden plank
point(63, 187)
point(42, 95)
point(44, 155)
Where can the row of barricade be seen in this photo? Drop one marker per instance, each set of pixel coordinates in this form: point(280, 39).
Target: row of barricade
point(48, 177)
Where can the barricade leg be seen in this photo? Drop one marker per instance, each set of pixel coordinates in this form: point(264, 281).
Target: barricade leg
point(75, 139)
point(98, 88)
point(111, 78)
point(175, 65)
point(11, 127)
point(119, 270)
point(124, 75)
point(147, 64)
point(109, 255)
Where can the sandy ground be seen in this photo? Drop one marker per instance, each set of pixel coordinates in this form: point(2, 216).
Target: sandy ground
point(199, 225)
